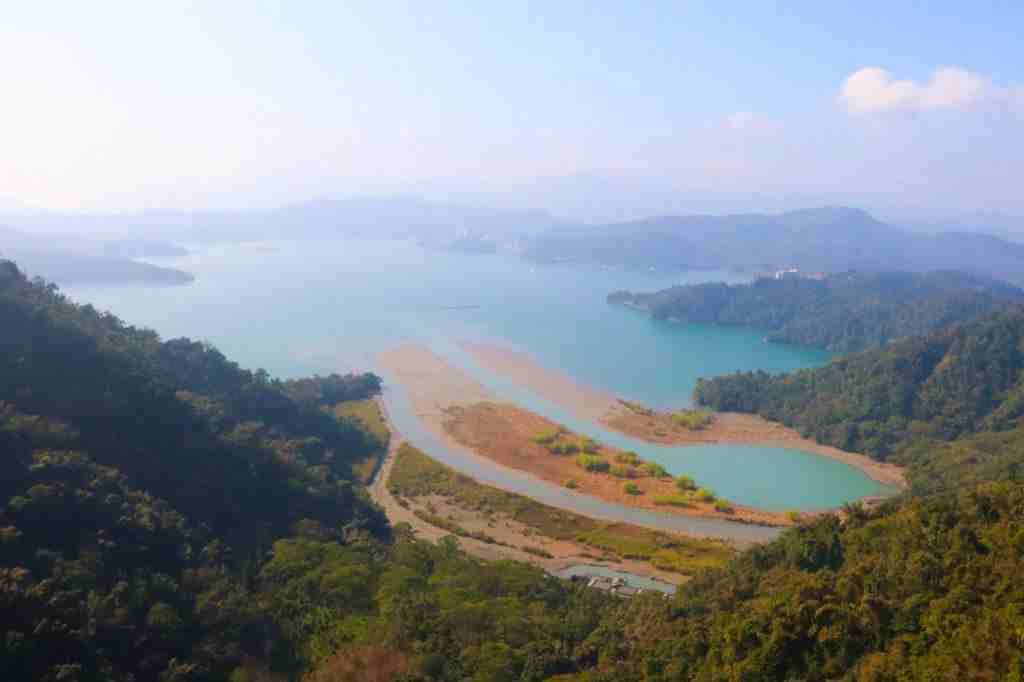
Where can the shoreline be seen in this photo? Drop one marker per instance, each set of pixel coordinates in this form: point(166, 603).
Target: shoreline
point(608, 410)
point(432, 385)
point(569, 554)
point(504, 433)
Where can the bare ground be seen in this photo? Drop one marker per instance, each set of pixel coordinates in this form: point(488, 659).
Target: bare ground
point(658, 427)
point(503, 529)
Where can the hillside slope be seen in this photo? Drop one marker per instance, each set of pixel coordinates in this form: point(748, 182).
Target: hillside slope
point(831, 239)
point(844, 312)
point(143, 482)
point(949, 404)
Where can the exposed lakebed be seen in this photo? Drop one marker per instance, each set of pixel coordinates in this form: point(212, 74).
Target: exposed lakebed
point(298, 308)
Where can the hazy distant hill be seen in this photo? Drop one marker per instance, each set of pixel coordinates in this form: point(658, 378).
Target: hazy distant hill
point(435, 223)
point(845, 312)
point(73, 260)
point(830, 239)
point(69, 268)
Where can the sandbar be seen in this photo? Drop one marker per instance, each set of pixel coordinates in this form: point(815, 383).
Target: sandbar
point(516, 539)
point(439, 391)
point(610, 411)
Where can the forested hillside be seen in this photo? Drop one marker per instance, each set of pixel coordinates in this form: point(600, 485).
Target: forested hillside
point(949, 404)
point(926, 591)
point(166, 515)
point(144, 482)
point(845, 312)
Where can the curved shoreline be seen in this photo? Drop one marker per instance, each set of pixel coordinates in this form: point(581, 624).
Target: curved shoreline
point(571, 554)
point(606, 409)
point(503, 432)
point(430, 385)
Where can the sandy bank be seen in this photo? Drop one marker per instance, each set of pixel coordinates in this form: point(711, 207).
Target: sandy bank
point(513, 535)
point(438, 390)
point(606, 409)
point(504, 433)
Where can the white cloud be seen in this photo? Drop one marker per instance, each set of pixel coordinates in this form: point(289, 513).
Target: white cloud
point(874, 90)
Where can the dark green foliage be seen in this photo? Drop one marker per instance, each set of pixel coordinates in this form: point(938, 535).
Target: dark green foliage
point(461, 617)
point(948, 404)
point(929, 591)
point(844, 312)
point(143, 483)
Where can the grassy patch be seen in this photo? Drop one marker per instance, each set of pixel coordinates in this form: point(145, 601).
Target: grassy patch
point(681, 501)
point(367, 415)
point(415, 474)
point(694, 420)
point(667, 552)
point(454, 528)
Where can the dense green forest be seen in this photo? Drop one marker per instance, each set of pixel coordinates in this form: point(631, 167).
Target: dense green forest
point(926, 590)
point(166, 515)
point(144, 482)
point(844, 312)
point(948, 404)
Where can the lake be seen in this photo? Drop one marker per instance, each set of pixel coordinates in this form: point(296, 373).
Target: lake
point(297, 308)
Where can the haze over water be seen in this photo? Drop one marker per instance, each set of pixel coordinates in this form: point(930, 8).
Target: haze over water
point(298, 308)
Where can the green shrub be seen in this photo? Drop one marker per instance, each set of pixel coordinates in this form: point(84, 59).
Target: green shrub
point(628, 457)
point(654, 470)
point(724, 507)
point(590, 446)
point(622, 471)
point(632, 489)
point(705, 495)
point(685, 483)
point(570, 484)
point(691, 419)
point(592, 463)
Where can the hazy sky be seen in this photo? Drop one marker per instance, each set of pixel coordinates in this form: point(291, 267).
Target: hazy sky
point(127, 105)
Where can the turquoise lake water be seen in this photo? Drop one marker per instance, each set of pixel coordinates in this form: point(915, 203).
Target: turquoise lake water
point(298, 308)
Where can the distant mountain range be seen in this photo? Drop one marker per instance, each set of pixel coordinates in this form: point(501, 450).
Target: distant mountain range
point(66, 259)
point(832, 239)
point(387, 217)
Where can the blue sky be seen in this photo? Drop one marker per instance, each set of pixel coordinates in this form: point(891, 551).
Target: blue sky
point(594, 110)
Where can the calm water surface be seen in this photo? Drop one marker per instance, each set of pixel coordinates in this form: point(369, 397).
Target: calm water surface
point(320, 307)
